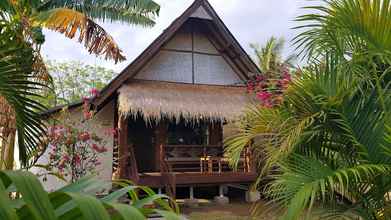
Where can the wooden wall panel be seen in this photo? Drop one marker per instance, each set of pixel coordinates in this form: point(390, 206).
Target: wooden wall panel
point(213, 70)
point(181, 41)
point(168, 66)
point(203, 45)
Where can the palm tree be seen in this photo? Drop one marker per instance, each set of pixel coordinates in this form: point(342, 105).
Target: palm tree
point(269, 56)
point(21, 22)
point(326, 150)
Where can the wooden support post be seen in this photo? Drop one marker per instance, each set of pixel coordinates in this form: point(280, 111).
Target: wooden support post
point(123, 151)
point(191, 192)
point(160, 137)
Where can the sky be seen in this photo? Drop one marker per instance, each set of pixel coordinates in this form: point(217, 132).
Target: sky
point(250, 21)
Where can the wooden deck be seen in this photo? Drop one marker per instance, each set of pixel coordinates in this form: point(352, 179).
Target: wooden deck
point(196, 178)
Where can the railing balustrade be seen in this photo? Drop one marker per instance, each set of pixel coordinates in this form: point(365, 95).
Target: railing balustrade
point(199, 158)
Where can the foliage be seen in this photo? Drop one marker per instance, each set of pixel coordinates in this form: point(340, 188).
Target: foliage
point(75, 201)
point(20, 82)
point(325, 150)
point(269, 87)
point(269, 56)
point(21, 24)
point(73, 80)
point(73, 147)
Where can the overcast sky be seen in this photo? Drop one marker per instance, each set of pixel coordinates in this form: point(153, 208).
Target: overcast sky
point(250, 21)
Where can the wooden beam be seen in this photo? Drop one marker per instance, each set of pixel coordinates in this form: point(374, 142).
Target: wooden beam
point(123, 148)
point(189, 51)
point(160, 140)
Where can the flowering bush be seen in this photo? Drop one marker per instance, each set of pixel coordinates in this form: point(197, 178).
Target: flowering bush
point(269, 87)
point(74, 150)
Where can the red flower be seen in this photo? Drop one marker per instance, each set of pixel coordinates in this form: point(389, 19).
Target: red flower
point(268, 104)
point(102, 150)
point(84, 136)
point(94, 92)
point(260, 78)
point(287, 77)
point(66, 158)
point(87, 115)
point(77, 159)
point(95, 147)
point(264, 96)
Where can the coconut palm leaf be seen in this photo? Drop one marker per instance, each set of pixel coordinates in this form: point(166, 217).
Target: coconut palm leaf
point(269, 56)
point(139, 12)
point(69, 22)
point(17, 91)
point(347, 27)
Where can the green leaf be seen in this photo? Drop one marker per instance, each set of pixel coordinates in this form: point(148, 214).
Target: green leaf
point(34, 195)
point(126, 212)
point(90, 207)
point(6, 211)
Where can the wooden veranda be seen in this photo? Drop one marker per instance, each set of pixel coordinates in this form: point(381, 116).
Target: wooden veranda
point(180, 164)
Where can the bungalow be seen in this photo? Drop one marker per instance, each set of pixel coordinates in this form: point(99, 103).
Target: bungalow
point(173, 106)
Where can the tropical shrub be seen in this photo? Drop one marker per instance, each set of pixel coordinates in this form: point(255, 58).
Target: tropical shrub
point(325, 151)
point(29, 200)
point(73, 149)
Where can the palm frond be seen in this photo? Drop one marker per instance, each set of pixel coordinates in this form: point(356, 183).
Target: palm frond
point(18, 90)
point(346, 27)
point(69, 22)
point(139, 12)
point(304, 179)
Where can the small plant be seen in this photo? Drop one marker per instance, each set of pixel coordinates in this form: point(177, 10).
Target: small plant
point(74, 149)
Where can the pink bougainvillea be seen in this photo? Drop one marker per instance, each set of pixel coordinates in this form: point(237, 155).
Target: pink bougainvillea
point(74, 148)
point(268, 88)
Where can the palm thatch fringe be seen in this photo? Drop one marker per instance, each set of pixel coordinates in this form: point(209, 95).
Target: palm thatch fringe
point(157, 100)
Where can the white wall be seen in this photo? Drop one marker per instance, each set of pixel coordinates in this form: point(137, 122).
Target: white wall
point(99, 125)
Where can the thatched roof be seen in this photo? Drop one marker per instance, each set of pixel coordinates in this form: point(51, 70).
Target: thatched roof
point(154, 100)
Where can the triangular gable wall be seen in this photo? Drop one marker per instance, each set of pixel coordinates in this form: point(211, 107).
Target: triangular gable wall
point(190, 57)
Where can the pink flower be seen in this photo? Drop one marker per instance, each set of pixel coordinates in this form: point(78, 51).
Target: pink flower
point(260, 78)
point(250, 87)
point(268, 104)
point(94, 92)
point(66, 158)
point(77, 159)
point(85, 99)
point(84, 136)
point(87, 115)
point(264, 96)
point(287, 77)
point(102, 150)
point(95, 147)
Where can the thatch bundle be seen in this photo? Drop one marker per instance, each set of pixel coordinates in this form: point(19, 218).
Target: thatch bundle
point(154, 100)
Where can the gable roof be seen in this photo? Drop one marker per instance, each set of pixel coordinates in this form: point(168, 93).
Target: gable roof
point(202, 10)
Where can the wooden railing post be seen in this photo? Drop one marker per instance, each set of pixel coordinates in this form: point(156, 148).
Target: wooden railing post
point(161, 158)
